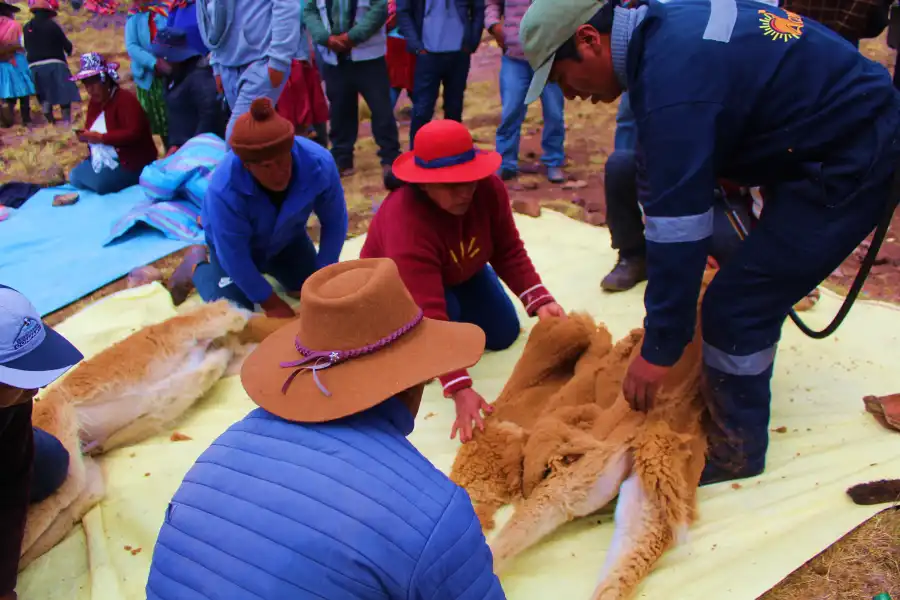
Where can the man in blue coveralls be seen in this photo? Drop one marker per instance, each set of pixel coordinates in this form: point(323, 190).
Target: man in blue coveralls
point(758, 95)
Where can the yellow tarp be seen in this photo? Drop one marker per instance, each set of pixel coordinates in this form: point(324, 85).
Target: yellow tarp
point(746, 540)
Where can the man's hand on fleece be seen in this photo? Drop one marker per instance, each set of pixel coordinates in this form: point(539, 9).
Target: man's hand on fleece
point(469, 406)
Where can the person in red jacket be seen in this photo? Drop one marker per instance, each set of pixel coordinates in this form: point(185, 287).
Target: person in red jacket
point(451, 232)
point(117, 131)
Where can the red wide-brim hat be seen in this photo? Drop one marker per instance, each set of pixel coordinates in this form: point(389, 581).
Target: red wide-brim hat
point(445, 153)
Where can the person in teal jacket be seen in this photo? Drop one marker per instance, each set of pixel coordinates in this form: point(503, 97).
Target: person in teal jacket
point(757, 95)
point(255, 214)
point(250, 49)
point(318, 494)
point(146, 18)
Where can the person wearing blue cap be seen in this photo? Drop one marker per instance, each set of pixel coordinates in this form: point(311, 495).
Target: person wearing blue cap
point(757, 95)
point(34, 463)
point(190, 89)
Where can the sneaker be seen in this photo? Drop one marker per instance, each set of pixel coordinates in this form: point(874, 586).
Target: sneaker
point(507, 174)
point(627, 273)
point(556, 175)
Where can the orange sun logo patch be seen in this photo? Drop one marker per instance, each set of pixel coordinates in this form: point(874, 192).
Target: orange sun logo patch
point(465, 252)
point(789, 27)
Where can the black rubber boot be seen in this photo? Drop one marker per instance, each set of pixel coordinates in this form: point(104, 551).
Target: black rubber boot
point(738, 424)
point(321, 130)
point(628, 272)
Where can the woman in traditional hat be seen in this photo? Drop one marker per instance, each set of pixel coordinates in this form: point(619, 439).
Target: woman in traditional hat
point(146, 18)
point(118, 132)
point(451, 232)
point(15, 78)
point(318, 493)
point(48, 48)
point(255, 213)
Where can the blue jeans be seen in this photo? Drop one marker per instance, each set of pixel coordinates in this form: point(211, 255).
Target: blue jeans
point(51, 465)
point(290, 267)
point(515, 77)
point(107, 181)
point(481, 300)
point(245, 84)
point(433, 69)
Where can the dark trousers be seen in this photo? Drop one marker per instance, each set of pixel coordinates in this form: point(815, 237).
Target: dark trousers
point(807, 228)
point(290, 267)
point(481, 300)
point(433, 69)
point(623, 215)
point(34, 465)
point(344, 84)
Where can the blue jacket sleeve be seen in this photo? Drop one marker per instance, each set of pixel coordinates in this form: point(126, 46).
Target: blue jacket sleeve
point(285, 34)
point(457, 563)
point(407, 25)
point(331, 209)
point(231, 238)
point(678, 144)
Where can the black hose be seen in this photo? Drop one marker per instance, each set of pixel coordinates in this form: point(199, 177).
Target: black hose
point(864, 269)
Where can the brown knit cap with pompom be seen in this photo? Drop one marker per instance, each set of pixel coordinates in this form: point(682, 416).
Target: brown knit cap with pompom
point(261, 134)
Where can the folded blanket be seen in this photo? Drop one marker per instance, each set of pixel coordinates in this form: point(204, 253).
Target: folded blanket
point(175, 188)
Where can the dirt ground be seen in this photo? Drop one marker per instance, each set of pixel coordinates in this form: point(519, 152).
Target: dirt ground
point(862, 564)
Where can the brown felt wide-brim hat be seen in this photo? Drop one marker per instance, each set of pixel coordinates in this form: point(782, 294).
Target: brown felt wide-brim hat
point(430, 349)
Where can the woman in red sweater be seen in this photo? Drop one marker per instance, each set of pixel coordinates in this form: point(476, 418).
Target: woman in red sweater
point(451, 233)
point(117, 131)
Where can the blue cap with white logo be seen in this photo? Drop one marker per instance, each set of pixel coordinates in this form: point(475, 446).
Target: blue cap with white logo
point(31, 354)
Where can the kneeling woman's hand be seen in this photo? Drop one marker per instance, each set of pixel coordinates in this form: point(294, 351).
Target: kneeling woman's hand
point(469, 405)
point(553, 309)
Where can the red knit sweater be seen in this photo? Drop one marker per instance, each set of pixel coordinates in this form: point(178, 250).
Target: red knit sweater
point(128, 129)
point(435, 250)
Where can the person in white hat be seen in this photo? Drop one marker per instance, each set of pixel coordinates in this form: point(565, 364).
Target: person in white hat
point(33, 464)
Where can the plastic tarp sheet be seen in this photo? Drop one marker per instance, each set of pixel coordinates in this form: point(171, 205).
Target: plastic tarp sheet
point(746, 540)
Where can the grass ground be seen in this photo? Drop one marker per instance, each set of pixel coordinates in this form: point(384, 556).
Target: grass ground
point(862, 564)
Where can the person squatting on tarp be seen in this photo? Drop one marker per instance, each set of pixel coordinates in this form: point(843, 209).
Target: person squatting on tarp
point(255, 212)
point(756, 95)
point(452, 234)
point(318, 493)
point(34, 463)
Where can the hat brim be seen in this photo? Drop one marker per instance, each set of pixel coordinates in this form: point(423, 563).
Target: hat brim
point(85, 75)
point(539, 80)
point(483, 165)
point(43, 365)
point(173, 55)
point(431, 349)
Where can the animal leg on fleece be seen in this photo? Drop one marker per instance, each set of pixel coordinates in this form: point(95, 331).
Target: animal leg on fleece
point(655, 508)
point(57, 417)
point(581, 493)
point(146, 410)
point(93, 492)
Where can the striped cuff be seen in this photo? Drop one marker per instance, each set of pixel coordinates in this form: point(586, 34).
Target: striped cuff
point(455, 381)
point(535, 297)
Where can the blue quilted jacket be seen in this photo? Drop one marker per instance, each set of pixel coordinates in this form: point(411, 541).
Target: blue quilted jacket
point(345, 510)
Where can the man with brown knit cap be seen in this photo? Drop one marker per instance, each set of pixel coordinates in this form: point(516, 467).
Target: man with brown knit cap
point(256, 210)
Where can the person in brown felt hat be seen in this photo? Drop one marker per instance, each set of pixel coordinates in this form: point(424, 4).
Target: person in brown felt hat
point(259, 200)
point(318, 493)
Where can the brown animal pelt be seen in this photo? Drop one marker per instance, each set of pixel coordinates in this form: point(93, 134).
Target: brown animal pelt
point(876, 492)
point(136, 387)
point(563, 442)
